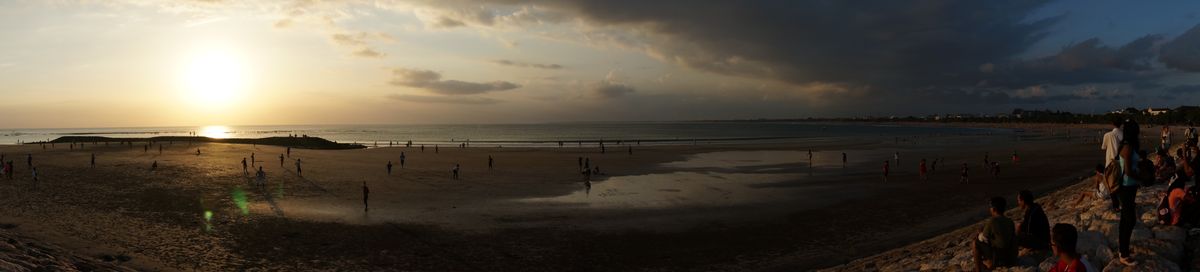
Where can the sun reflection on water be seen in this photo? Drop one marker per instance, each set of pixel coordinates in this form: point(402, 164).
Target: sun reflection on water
point(217, 132)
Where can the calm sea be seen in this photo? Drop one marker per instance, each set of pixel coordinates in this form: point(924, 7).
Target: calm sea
point(519, 134)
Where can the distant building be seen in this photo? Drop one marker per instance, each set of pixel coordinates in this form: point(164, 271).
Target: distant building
point(1157, 111)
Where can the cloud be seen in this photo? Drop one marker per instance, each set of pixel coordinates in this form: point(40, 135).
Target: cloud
point(444, 99)
point(369, 53)
point(359, 43)
point(527, 64)
point(1183, 89)
point(432, 81)
point(608, 90)
point(1184, 52)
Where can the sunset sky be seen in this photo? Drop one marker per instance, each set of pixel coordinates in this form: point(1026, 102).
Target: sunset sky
point(167, 63)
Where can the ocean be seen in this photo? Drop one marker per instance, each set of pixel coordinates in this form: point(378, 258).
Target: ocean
point(653, 133)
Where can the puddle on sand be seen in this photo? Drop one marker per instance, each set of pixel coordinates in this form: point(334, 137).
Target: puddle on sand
point(735, 159)
point(676, 189)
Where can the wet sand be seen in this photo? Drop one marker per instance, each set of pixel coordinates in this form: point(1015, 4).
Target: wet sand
point(689, 207)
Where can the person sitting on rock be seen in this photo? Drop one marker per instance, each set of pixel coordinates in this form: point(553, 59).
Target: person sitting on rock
point(1034, 230)
point(1063, 241)
point(994, 246)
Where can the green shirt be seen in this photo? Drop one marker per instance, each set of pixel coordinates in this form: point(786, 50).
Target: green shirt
point(999, 231)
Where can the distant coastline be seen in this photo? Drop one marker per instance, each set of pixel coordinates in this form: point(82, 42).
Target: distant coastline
point(296, 142)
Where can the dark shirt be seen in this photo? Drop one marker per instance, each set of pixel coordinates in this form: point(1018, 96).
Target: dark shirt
point(1035, 228)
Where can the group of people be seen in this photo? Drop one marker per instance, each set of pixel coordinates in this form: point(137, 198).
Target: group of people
point(997, 244)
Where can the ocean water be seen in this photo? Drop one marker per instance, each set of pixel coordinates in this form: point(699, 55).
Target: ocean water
point(651, 133)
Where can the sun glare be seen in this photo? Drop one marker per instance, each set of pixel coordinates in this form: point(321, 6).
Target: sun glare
point(217, 132)
point(213, 79)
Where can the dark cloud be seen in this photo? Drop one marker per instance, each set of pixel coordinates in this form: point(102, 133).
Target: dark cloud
point(1146, 85)
point(1087, 62)
point(444, 99)
point(1184, 52)
point(1183, 89)
point(432, 81)
point(608, 90)
point(527, 64)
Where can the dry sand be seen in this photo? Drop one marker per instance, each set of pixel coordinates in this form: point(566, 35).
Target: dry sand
point(746, 211)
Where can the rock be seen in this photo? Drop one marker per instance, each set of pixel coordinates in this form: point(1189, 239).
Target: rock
point(1172, 233)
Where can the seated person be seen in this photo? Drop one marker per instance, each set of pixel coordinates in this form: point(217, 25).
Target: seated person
point(1034, 230)
point(994, 246)
point(1063, 242)
point(1164, 167)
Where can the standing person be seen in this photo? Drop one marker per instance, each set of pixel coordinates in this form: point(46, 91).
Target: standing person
point(995, 170)
point(933, 166)
point(1127, 194)
point(299, 171)
point(1112, 148)
point(422, 148)
point(402, 158)
point(389, 168)
point(252, 160)
point(245, 170)
point(630, 150)
point(280, 160)
point(924, 174)
point(435, 149)
point(454, 171)
point(289, 152)
point(261, 176)
point(886, 168)
point(994, 246)
point(1063, 240)
point(810, 157)
point(93, 165)
point(1033, 232)
point(1165, 138)
point(843, 159)
point(366, 194)
point(490, 161)
point(587, 163)
point(35, 177)
point(964, 177)
point(897, 157)
point(986, 161)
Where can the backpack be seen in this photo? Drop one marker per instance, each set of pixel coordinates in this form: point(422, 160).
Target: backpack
point(1112, 178)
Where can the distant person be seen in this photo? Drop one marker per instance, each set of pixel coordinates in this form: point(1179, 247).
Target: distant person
point(923, 171)
point(34, 171)
point(422, 148)
point(1165, 138)
point(933, 166)
point(197, 152)
point(490, 162)
point(402, 158)
point(843, 159)
point(299, 171)
point(260, 176)
point(289, 152)
point(886, 168)
point(897, 157)
point(994, 247)
point(93, 164)
point(986, 161)
point(630, 150)
point(435, 149)
point(366, 195)
point(245, 170)
point(587, 162)
point(810, 157)
point(389, 168)
point(1063, 241)
point(252, 160)
point(29, 160)
point(964, 177)
point(280, 160)
point(1015, 158)
point(995, 170)
point(1033, 232)
point(454, 171)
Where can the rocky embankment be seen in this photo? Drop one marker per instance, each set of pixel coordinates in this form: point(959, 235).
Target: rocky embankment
point(1156, 247)
point(20, 254)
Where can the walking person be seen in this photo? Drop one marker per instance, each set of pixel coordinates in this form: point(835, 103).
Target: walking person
point(299, 172)
point(885, 170)
point(245, 171)
point(280, 160)
point(843, 159)
point(490, 162)
point(366, 194)
point(454, 171)
point(35, 176)
point(252, 160)
point(389, 168)
point(93, 165)
point(402, 158)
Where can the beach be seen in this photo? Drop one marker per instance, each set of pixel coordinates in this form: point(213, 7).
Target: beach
point(707, 206)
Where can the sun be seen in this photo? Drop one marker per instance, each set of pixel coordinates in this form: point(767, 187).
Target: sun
point(213, 79)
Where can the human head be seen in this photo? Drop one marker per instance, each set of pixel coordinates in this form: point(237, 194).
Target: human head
point(998, 205)
point(1063, 238)
point(1024, 198)
point(1099, 168)
point(1117, 123)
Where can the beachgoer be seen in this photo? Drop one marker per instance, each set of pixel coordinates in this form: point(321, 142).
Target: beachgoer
point(1033, 232)
point(897, 157)
point(366, 194)
point(490, 162)
point(252, 160)
point(1063, 240)
point(933, 166)
point(454, 171)
point(29, 160)
point(402, 159)
point(843, 159)
point(435, 149)
point(964, 177)
point(34, 171)
point(922, 170)
point(1127, 194)
point(1165, 137)
point(1176, 195)
point(197, 152)
point(93, 165)
point(245, 170)
point(289, 152)
point(994, 246)
point(261, 177)
point(630, 150)
point(389, 168)
point(587, 163)
point(280, 160)
point(1015, 158)
point(995, 170)
point(885, 170)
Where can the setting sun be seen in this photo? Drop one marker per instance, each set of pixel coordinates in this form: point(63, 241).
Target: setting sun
point(213, 79)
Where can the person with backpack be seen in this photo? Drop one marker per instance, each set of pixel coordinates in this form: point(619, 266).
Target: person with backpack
point(1131, 177)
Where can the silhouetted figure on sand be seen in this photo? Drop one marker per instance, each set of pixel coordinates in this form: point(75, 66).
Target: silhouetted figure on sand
point(454, 171)
point(389, 168)
point(366, 194)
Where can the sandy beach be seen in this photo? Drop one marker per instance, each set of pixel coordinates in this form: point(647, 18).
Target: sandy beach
point(685, 207)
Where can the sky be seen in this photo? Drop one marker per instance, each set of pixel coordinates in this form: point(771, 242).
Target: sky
point(121, 63)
